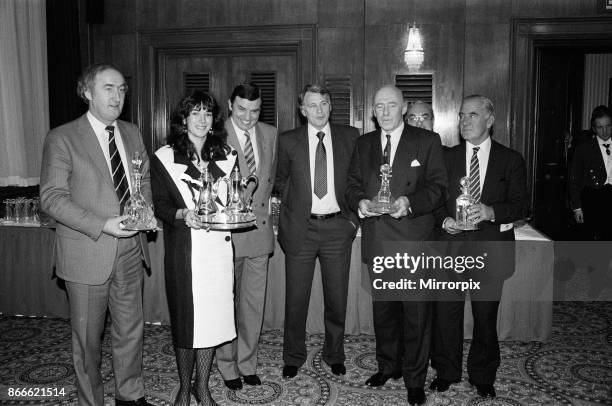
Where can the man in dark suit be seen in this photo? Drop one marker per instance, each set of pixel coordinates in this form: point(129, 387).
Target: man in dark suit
point(315, 222)
point(497, 180)
point(418, 183)
point(256, 145)
point(591, 178)
point(84, 185)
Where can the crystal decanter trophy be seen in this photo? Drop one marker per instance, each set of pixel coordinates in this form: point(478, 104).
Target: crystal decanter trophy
point(234, 213)
point(140, 212)
point(463, 203)
point(383, 201)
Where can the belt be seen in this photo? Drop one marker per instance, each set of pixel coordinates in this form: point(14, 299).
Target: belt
point(325, 216)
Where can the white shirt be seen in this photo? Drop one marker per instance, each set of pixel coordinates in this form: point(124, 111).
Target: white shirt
point(395, 137)
point(328, 204)
point(483, 158)
point(606, 158)
point(102, 135)
point(242, 140)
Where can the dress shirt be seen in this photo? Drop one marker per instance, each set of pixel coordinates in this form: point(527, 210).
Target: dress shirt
point(242, 140)
point(329, 203)
point(395, 137)
point(606, 158)
point(102, 136)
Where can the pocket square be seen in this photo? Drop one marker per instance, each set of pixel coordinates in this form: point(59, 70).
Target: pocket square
point(415, 163)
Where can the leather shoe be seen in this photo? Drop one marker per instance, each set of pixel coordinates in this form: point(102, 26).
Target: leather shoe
point(440, 385)
point(138, 402)
point(290, 371)
point(416, 396)
point(338, 369)
point(233, 384)
point(252, 380)
point(484, 390)
point(379, 379)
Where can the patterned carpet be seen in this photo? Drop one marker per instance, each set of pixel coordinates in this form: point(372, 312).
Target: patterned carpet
point(574, 368)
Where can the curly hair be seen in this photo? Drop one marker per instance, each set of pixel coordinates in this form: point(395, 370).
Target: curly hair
point(215, 147)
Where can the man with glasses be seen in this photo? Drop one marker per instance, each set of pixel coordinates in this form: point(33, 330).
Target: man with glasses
point(420, 114)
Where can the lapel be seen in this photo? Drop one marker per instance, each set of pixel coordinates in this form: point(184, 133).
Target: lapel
point(406, 152)
point(597, 152)
point(128, 145)
point(303, 158)
point(91, 146)
point(339, 156)
point(494, 169)
point(458, 167)
point(265, 155)
point(232, 140)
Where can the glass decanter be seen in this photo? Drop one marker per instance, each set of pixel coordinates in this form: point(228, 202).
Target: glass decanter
point(140, 212)
point(462, 203)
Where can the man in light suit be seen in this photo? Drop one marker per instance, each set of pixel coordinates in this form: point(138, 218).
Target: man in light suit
point(418, 183)
point(256, 145)
point(315, 222)
point(84, 184)
point(498, 181)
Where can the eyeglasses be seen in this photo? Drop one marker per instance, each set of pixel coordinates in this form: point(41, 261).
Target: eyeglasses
point(417, 118)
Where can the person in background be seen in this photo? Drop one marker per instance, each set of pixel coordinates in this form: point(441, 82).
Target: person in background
point(84, 185)
point(420, 114)
point(590, 183)
point(255, 143)
point(198, 263)
point(402, 328)
point(315, 222)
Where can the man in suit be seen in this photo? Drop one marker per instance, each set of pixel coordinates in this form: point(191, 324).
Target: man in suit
point(420, 114)
point(256, 145)
point(315, 222)
point(591, 178)
point(84, 185)
point(418, 182)
point(497, 181)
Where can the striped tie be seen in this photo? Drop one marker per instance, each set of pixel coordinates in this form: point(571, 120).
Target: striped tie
point(387, 151)
point(320, 175)
point(474, 188)
point(119, 179)
point(249, 154)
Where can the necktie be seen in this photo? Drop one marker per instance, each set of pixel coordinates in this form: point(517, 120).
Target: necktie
point(119, 179)
point(249, 154)
point(474, 188)
point(320, 175)
point(387, 151)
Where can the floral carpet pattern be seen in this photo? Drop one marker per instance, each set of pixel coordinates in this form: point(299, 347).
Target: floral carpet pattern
point(573, 368)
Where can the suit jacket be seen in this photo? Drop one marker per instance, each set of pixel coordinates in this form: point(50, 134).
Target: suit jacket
point(77, 190)
point(505, 189)
point(294, 184)
point(259, 241)
point(587, 170)
point(417, 172)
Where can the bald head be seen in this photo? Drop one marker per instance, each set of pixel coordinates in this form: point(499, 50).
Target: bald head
point(389, 107)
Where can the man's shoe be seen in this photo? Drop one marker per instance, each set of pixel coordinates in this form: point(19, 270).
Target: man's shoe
point(484, 390)
point(251, 380)
point(233, 384)
point(440, 385)
point(416, 396)
point(290, 371)
point(338, 369)
point(379, 379)
point(138, 402)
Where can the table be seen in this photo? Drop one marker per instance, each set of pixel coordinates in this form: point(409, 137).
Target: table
point(28, 286)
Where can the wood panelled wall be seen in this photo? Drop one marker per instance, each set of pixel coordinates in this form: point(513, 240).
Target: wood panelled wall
point(467, 42)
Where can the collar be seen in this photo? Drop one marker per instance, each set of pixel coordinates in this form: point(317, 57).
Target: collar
point(312, 132)
point(240, 132)
point(98, 126)
point(395, 134)
point(485, 146)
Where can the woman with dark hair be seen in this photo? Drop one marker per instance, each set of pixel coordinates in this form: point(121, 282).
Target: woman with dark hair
point(198, 263)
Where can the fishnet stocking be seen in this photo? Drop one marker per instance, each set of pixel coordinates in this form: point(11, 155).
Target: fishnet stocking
point(204, 357)
point(185, 358)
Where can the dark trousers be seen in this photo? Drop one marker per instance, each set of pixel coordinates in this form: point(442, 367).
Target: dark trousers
point(403, 336)
point(330, 240)
point(447, 352)
point(121, 294)
point(596, 204)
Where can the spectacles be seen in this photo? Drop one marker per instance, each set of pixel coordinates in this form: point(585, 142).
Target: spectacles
point(417, 118)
